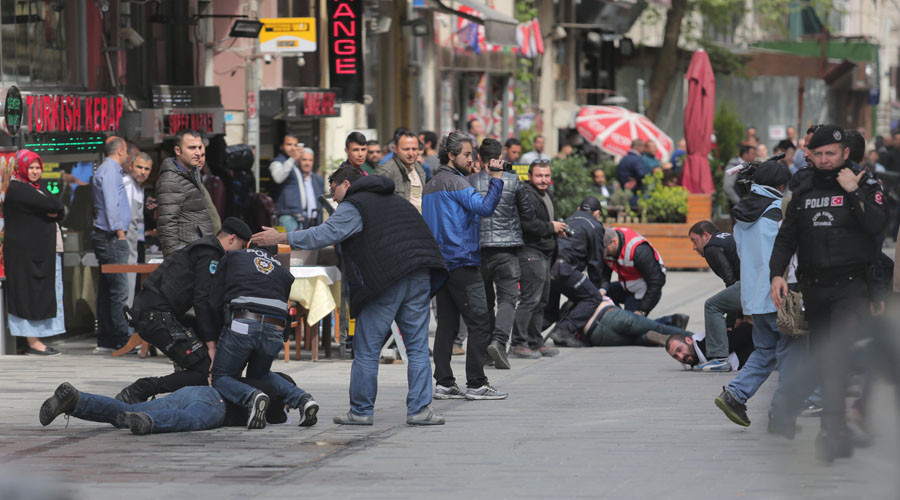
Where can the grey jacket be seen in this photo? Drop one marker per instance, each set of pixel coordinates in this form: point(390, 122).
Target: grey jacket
point(503, 229)
point(396, 171)
point(183, 215)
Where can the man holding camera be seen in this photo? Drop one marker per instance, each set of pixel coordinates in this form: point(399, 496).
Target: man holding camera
point(501, 240)
point(539, 235)
point(451, 207)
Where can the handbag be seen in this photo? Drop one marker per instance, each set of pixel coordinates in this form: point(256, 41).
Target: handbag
point(792, 315)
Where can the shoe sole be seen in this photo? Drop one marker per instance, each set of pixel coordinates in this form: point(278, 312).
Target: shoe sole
point(473, 397)
point(718, 369)
point(257, 419)
point(497, 356)
point(657, 338)
point(50, 409)
point(139, 426)
point(309, 415)
point(424, 422)
point(338, 421)
point(730, 414)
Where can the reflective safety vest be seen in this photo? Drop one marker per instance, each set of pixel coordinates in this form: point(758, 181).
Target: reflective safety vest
point(629, 276)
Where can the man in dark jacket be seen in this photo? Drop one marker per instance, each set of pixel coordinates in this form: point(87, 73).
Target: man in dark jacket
point(451, 208)
point(297, 187)
point(539, 235)
point(393, 268)
point(639, 267)
point(180, 283)
point(582, 250)
point(501, 240)
point(720, 252)
point(184, 213)
point(356, 149)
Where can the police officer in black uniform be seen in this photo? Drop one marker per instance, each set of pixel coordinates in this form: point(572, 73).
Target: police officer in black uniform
point(832, 222)
point(253, 287)
point(159, 314)
point(582, 249)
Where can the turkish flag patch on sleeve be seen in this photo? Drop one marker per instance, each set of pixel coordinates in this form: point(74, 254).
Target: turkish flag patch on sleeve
point(837, 201)
point(879, 197)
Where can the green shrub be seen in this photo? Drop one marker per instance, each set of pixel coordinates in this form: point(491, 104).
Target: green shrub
point(729, 131)
point(527, 138)
point(661, 203)
point(571, 184)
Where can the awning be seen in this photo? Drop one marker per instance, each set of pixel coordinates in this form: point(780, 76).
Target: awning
point(499, 28)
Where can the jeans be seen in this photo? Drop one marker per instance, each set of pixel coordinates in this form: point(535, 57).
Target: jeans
point(619, 327)
point(112, 291)
point(622, 297)
point(500, 268)
point(714, 310)
point(581, 291)
point(407, 303)
point(773, 350)
point(256, 348)
point(187, 409)
point(463, 293)
point(533, 296)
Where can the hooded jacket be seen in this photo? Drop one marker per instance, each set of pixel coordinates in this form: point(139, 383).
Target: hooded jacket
point(757, 217)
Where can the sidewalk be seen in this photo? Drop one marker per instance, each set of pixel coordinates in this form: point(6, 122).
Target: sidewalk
point(600, 422)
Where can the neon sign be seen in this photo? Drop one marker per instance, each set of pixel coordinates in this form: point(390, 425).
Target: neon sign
point(73, 113)
point(345, 25)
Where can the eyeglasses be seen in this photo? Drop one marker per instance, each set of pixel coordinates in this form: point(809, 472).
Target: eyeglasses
point(540, 162)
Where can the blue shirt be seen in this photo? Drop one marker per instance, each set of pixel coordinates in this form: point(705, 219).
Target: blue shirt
point(111, 207)
point(343, 223)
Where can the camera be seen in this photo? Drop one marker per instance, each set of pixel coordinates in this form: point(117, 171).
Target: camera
point(567, 230)
point(505, 166)
point(745, 173)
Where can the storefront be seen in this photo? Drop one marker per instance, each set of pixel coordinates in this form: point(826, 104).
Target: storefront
point(171, 108)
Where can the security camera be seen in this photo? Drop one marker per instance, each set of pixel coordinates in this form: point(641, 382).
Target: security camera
point(301, 61)
point(267, 58)
point(131, 36)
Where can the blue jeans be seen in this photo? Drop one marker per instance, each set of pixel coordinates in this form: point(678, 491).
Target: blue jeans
point(257, 349)
point(112, 292)
point(289, 222)
point(714, 310)
point(407, 303)
point(187, 409)
point(773, 350)
point(620, 327)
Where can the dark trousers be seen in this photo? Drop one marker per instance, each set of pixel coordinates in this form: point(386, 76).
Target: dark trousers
point(112, 291)
point(836, 316)
point(463, 293)
point(157, 333)
point(575, 285)
point(622, 297)
point(535, 291)
point(500, 269)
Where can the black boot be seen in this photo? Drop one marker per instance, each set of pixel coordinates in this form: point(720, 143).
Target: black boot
point(680, 321)
point(141, 390)
point(64, 400)
point(564, 338)
point(831, 445)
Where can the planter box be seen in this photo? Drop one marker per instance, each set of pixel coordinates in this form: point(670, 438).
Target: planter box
point(671, 240)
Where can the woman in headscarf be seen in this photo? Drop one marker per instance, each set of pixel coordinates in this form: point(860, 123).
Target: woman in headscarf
point(32, 248)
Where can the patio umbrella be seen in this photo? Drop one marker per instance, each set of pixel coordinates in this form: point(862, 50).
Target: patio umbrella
point(612, 128)
point(698, 124)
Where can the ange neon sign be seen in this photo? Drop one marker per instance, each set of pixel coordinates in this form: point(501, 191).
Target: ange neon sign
point(345, 25)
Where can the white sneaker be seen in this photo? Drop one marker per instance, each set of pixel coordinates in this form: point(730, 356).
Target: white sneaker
point(452, 392)
point(485, 392)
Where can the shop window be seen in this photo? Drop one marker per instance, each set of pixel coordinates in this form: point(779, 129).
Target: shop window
point(38, 42)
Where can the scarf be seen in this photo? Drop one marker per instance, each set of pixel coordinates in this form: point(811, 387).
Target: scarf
point(24, 158)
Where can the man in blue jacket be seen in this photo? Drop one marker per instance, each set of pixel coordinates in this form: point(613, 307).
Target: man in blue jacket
point(757, 217)
point(451, 207)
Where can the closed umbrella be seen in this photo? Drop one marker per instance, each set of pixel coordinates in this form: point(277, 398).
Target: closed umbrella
point(698, 124)
point(612, 128)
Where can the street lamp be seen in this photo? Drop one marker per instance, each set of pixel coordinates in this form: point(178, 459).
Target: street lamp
point(245, 28)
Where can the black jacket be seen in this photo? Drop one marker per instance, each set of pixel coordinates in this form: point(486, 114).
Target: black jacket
point(183, 281)
point(29, 250)
point(833, 232)
point(651, 270)
point(251, 279)
point(387, 249)
point(721, 254)
point(585, 248)
point(503, 229)
point(538, 233)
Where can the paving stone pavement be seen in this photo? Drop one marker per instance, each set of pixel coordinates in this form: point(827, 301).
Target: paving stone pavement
point(601, 423)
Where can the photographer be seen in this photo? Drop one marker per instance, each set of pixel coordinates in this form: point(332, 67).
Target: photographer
point(501, 240)
point(539, 235)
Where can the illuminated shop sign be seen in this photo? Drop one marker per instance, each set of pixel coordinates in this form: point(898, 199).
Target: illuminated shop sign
point(72, 113)
point(345, 64)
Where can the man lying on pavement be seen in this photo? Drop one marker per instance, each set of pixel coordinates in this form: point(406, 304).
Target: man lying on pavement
point(612, 326)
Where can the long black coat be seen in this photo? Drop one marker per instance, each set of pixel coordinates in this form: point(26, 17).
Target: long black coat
point(29, 250)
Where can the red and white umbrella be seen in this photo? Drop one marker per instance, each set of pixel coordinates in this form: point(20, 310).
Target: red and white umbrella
point(612, 128)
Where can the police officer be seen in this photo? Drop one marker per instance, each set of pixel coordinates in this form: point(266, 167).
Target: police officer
point(639, 266)
point(181, 282)
point(582, 249)
point(832, 223)
point(253, 287)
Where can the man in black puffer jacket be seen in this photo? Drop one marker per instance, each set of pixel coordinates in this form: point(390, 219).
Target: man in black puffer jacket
point(500, 236)
point(393, 268)
point(186, 212)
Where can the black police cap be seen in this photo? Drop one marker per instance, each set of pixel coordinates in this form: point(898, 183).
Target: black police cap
point(825, 135)
point(237, 227)
point(591, 204)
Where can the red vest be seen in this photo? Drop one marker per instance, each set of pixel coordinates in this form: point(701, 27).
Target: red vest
point(624, 265)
